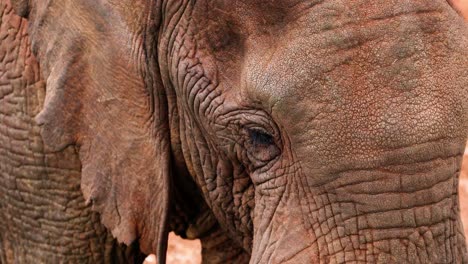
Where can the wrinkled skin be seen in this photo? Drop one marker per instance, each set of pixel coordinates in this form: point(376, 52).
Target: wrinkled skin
point(42, 212)
point(276, 131)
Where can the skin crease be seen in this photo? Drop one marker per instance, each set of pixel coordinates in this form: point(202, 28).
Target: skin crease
point(312, 131)
point(43, 215)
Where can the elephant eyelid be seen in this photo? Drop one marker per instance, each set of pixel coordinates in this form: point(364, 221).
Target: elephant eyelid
point(260, 137)
point(262, 147)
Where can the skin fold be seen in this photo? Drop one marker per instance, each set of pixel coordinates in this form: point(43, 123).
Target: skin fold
point(275, 131)
point(42, 212)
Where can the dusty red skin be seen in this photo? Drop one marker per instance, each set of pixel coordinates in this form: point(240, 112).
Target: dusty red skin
point(189, 249)
point(43, 216)
point(275, 131)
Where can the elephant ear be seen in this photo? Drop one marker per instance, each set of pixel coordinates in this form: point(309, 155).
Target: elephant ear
point(104, 97)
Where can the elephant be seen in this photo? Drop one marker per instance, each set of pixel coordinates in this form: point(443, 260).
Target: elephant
point(43, 215)
point(282, 131)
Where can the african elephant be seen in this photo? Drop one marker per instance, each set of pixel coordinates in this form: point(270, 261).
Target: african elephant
point(43, 217)
point(280, 131)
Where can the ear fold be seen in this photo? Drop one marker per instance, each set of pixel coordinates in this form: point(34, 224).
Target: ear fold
point(102, 97)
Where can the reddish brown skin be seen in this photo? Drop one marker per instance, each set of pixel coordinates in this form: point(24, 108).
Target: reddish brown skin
point(277, 131)
point(43, 215)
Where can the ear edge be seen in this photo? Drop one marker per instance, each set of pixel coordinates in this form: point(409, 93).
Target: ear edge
point(53, 135)
point(128, 185)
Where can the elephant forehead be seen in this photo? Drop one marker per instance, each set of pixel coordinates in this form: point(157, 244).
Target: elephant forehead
point(365, 86)
point(351, 37)
point(273, 17)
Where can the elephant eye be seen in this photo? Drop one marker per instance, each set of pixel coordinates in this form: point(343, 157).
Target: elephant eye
point(261, 146)
point(259, 137)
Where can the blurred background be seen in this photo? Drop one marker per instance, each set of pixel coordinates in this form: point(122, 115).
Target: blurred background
point(464, 192)
point(182, 251)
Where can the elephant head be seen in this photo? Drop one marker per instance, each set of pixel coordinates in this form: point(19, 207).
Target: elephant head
point(315, 131)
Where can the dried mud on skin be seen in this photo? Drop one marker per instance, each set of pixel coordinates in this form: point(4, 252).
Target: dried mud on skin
point(188, 251)
point(183, 251)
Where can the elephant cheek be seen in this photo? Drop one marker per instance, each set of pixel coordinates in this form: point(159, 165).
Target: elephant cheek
point(280, 234)
point(399, 213)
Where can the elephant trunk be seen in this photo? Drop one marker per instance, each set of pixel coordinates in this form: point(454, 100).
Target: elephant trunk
point(405, 211)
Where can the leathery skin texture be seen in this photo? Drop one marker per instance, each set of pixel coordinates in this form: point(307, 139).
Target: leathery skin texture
point(43, 217)
point(281, 131)
point(365, 103)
